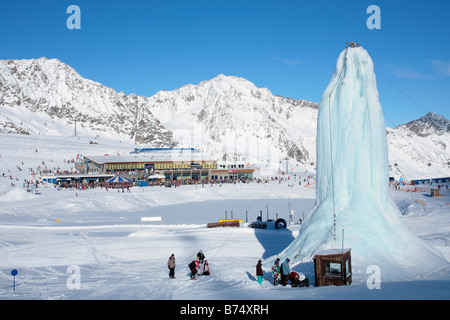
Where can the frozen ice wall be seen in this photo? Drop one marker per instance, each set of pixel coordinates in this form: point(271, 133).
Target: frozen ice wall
point(352, 181)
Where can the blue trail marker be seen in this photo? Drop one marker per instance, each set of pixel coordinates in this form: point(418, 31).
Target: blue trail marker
point(14, 274)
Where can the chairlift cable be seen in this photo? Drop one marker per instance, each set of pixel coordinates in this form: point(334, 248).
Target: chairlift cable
point(402, 91)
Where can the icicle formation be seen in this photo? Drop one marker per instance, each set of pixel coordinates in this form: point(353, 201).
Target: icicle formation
point(352, 179)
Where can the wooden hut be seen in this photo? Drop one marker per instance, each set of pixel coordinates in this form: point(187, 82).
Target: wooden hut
point(435, 192)
point(333, 267)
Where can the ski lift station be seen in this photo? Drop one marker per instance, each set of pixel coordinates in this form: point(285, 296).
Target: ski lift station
point(172, 163)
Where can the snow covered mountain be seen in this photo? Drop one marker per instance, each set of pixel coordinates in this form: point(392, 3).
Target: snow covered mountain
point(50, 87)
point(420, 148)
point(428, 125)
point(227, 116)
point(231, 117)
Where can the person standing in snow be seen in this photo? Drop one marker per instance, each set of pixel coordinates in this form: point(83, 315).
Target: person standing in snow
point(171, 266)
point(259, 272)
point(276, 272)
point(285, 271)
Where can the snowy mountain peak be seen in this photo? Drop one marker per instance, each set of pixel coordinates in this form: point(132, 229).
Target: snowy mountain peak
point(226, 84)
point(229, 115)
point(429, 124)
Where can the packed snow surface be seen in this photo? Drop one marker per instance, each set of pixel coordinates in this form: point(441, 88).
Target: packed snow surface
point(48, 235)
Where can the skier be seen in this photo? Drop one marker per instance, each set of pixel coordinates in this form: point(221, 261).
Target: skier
point(285, 271)
point(259, 272)
point(276, 272)
point(193, 267)
point(171, 266)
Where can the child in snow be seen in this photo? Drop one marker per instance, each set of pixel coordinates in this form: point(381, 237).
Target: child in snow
point(259, 272)
point(200, 268)
point(206, 270)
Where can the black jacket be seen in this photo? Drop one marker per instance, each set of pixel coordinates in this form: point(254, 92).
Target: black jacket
point(192, 265)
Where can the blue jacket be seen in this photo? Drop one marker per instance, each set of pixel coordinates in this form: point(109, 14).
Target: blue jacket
point(286, 269)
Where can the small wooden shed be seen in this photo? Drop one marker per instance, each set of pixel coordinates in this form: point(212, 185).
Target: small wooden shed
point(333, 267)
point(435, 192)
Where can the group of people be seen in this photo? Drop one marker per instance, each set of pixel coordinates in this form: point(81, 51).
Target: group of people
point(281, 274)
point(199, 266)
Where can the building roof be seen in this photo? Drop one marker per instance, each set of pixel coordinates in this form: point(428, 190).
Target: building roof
point(141, 150)
point(430, 179)
point(326, 252)
point(156, 155)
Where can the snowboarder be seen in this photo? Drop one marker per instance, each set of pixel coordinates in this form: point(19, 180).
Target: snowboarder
point(193, 267)
point(171, 266)
point(259, 272)
point(276, 272)
point(285, 271)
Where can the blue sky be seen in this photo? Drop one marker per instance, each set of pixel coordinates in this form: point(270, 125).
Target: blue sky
point(289, 47)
